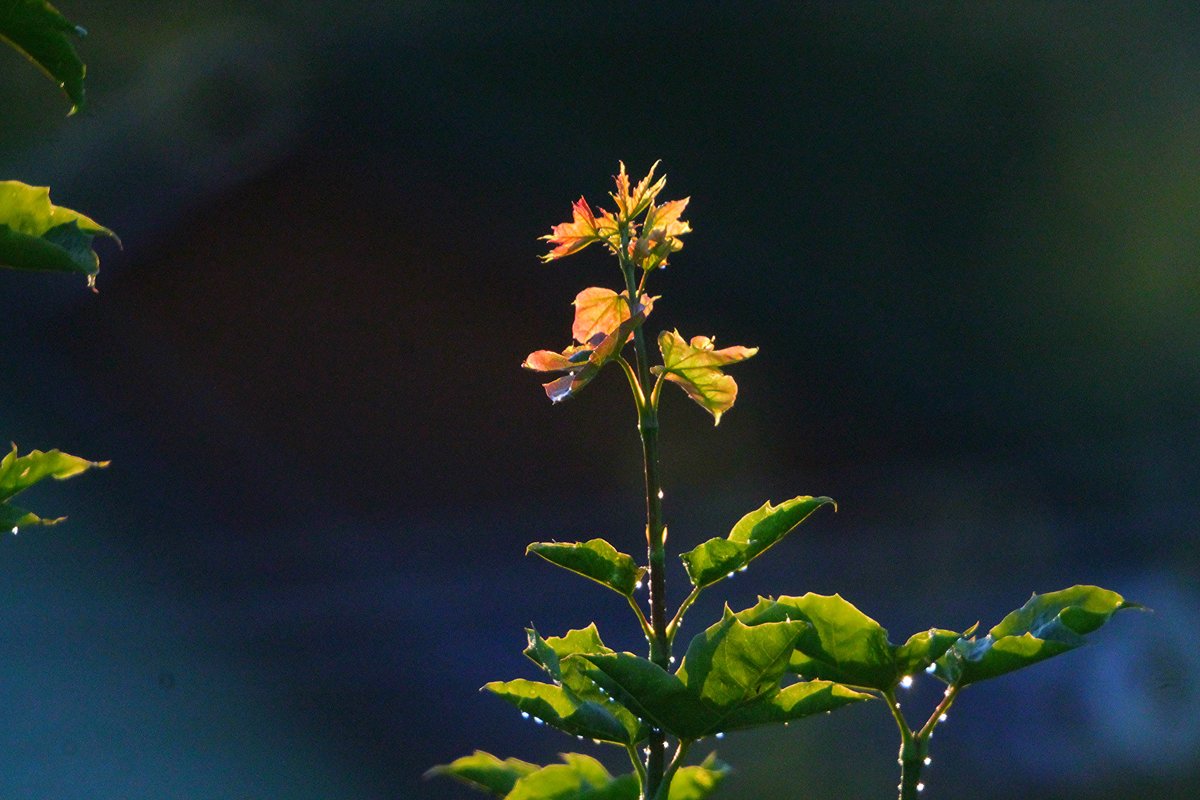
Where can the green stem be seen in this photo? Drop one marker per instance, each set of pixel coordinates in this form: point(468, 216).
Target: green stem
point(660, 645)
point(638, 766)
point(677, 620)
point(664, 789)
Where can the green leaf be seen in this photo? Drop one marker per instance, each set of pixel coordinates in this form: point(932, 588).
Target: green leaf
point(728, 680)
point(699, 781)
point(595, 559)
point(696, 366)
point(485, 772)
point(37, 235)
point(572, 675)
point(843, 644)
point(561, 708)
point(580, 778)
point(1046, 626)
point(43, 35)
point(18, 473)
point(751, 536)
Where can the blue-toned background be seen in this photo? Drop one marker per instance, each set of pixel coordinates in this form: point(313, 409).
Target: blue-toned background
point(965, 237)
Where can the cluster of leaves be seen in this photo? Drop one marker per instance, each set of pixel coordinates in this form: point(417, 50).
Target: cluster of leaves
point(643, 235)
point(783, 659)
point(37, 235)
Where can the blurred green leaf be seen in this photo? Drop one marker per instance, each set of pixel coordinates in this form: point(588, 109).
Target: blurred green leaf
point(561, 708)
point(751, 536)
point(843, 644)
point(18, 473)
point(1047, 625)
point(595, 559)
point(43, 35)
point(728, 680)
point(37, 235)
point(699, 781)
point(695, 367)
point(580, 778)
point(485, 772)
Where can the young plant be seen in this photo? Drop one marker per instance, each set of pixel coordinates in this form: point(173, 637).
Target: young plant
point(783, 659)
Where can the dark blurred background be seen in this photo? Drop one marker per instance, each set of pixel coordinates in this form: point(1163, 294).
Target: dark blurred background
point(964, 235)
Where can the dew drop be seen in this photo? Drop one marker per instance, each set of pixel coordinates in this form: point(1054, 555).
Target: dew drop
point(942, 718)
point(594, 741)
point(906, 682)
point(660, 494)
point(538, 720)
point(930, 669)
point(672, 660)
point(637, 585)
point(920, 787)
point(719, 735)
point(928, 761)
point(524, 715)
point(730, 575)
point(743, 567)
point(15, 530)
point(897, 705)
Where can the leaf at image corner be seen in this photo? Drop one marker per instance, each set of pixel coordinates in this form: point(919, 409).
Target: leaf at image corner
point(43, 35)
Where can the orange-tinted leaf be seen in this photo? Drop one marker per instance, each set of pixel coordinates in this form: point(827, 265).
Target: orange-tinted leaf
point(599, 310)
point(696, 368)
point(632, 203)
point(660, 234)
point(582, 362)
point(571, 237)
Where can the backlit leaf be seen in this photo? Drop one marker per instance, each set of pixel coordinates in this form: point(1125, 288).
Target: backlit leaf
point(38, 30)
point(601, 311)
point(571, 237)
point(37, 235)
point(485, 772)
point(696, 368)
point(631, 203)
point(751, 536)
point(595, 559)
point(843, 644)
point(699, 781)
point(1047, 625)
point(728, 680)
point(18, 473)
point(551, 654)
point(559, 707)
point(581, 778)
point(583, 362)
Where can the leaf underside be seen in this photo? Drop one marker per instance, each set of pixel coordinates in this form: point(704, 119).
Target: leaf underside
point(38, 235)
point(595, 559)
point(18, 473)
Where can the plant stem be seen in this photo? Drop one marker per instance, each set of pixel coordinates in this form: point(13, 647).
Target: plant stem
point(660, 645)
point(664, 789)
point(677, 620)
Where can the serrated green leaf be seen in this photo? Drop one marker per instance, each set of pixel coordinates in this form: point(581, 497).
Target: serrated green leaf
point(43, 35)
point(595, 559)
point(796, 701)
point(572, 675)
point(695, 367)
point(581, 778)
point(728, 669)
point(699, 781)
point(751, 537)
point(731, 663)
point(647, 690)
point(18, 473)
point(843, 644)
point(1047, 625)
point(37, 235)
point(561, 708)
point(485, 772)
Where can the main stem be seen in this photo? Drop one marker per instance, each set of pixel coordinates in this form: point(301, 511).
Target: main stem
point(660, 646)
